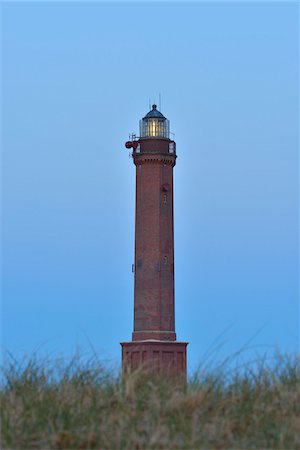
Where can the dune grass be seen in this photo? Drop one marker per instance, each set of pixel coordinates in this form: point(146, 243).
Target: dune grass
point(80, 405)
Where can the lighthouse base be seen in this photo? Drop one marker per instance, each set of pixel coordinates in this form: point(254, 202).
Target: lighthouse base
point(155, 357)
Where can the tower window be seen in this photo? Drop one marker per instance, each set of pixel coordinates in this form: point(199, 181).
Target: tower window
point(165, 199)
point(171, 147)
point(165, 260)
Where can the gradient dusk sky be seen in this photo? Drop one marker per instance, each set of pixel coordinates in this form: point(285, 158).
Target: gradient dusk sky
point(76, 79)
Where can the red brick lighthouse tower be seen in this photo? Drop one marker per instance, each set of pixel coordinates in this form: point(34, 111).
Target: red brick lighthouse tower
point(154, 346)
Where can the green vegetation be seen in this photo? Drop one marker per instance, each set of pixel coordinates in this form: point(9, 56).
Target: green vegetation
point(54, 405)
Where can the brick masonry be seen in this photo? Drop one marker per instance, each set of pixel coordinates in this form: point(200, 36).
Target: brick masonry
point(155, 357)
point(154, 339)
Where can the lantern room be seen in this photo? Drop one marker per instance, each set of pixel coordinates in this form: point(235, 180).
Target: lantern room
point(154, 125)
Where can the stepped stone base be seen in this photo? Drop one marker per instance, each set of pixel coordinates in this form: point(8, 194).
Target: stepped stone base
point(155, 357)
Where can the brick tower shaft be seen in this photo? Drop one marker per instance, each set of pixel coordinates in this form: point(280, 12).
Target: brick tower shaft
point(154, 243)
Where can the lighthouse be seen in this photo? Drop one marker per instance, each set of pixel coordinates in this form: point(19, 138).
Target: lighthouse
point(154, 346)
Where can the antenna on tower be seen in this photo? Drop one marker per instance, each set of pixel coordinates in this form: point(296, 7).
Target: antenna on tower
point(160, 101)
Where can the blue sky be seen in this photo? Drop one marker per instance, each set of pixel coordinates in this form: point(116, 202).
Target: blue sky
point(76, 79)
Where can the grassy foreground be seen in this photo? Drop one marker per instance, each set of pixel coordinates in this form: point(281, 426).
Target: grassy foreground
point(54, 405)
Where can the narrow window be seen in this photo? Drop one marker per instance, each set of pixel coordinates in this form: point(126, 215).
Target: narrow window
point(165, 260)
point(171, 147)
point(165, 199)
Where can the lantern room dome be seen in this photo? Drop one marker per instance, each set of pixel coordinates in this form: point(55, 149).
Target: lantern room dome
point(154, 113)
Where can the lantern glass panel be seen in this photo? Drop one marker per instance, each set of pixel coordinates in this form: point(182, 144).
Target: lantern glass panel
point(153, 127)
